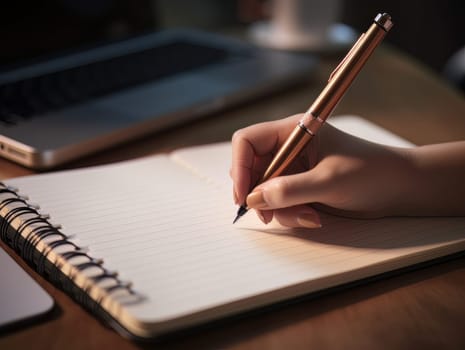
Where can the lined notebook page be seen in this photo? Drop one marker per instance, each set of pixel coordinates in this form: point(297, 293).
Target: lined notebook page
point(213, 163)
point(169, 231)
point(363, 128)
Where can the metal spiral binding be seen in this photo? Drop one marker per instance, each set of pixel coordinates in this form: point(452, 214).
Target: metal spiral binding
point(40, 228)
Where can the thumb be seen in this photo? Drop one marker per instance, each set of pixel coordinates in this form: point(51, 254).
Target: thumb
point(287, 191)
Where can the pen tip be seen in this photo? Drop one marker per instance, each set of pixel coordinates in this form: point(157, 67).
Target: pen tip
point(242, 210)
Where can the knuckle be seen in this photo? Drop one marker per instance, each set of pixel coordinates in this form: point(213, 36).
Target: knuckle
point(280, 191)
point(283, 219)
point(239, 135)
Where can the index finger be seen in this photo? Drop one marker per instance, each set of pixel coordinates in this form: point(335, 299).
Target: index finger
point(252, 144)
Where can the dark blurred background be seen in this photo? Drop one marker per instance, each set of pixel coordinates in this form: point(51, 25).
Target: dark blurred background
point(432, 31)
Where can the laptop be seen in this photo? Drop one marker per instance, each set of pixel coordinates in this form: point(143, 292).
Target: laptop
point(67, 102)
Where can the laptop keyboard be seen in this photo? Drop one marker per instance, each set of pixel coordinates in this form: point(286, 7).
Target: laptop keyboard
point(35, 96)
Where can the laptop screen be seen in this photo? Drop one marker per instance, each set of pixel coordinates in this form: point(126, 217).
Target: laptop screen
point(35, 30)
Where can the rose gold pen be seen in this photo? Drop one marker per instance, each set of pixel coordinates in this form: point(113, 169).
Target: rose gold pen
point(338, 83)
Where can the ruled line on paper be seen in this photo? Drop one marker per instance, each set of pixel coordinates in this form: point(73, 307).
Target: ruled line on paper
point(169, 231)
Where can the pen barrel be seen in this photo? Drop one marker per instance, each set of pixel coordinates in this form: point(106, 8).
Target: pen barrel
point(287, 153)
point(346, 72)
point(338, 83)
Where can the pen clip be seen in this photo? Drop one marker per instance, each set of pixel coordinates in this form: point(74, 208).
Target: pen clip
point(349, 54)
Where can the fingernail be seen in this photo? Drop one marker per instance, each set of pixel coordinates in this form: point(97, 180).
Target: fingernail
point(309, 220)
point(260, 216)
point(255, 200)
point(267, 218)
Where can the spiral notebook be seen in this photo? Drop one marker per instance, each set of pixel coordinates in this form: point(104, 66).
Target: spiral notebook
point(148, 244)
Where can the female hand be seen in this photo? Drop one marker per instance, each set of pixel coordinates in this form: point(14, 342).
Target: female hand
point(344, 175)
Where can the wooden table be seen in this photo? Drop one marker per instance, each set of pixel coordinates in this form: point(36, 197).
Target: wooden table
point(420, 309)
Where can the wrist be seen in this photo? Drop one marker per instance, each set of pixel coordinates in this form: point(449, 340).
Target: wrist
point(404, 178)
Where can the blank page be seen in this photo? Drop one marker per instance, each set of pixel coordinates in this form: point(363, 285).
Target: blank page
point(213, 163)
point(170, 232)
point(369, 131)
